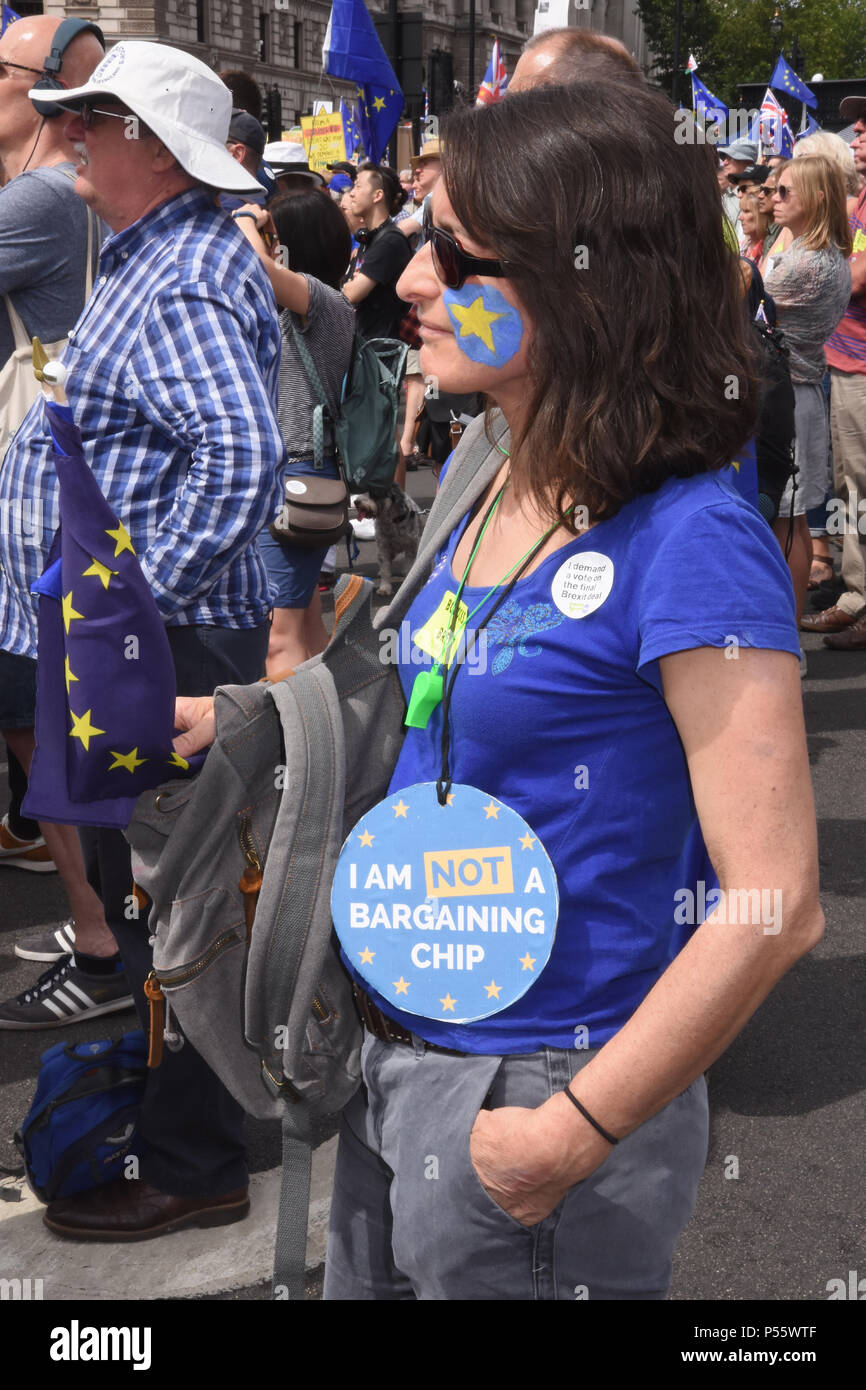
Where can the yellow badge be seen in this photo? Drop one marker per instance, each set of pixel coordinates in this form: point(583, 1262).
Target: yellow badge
point(859, 241)
point(436, 637)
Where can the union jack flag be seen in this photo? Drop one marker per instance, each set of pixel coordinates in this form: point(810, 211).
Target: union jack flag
point(775, 128)
point(495, 79)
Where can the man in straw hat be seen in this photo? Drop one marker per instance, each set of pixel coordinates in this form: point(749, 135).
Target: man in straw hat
point(171, 376)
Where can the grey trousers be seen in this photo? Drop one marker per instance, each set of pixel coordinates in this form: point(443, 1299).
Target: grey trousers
point(410, 1219)
point(848, 428)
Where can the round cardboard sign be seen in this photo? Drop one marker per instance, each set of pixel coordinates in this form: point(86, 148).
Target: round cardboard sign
point(295, 488)
point(448, 912)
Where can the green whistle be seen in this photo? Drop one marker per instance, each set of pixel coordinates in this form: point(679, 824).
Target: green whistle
point(426, 695)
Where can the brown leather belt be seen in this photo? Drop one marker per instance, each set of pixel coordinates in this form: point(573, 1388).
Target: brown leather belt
point(387, 1030)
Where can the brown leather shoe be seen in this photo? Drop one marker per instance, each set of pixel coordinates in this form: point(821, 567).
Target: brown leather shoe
point(833, 619)
point(853, 639)
point(131, 1210)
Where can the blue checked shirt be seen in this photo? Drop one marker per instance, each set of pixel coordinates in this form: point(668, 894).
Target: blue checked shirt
point(172, 379)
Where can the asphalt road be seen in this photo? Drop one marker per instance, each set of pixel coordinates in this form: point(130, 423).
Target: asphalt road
point(781, 1206)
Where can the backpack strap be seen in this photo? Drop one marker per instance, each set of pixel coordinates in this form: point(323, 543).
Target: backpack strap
point(318, 390)
point(290, 1250)
point(474, 464)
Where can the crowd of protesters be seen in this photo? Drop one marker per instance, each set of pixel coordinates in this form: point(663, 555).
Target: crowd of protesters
point(187, 374)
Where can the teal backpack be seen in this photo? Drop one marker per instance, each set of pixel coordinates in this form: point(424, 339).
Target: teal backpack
point(365, 425)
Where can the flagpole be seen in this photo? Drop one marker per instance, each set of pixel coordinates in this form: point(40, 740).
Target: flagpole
point(472, 49)
point(678, 30)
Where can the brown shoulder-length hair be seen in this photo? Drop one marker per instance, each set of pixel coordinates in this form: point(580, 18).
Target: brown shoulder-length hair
point(641, 364)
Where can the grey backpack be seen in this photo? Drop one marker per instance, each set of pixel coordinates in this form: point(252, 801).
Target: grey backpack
point(238, 864)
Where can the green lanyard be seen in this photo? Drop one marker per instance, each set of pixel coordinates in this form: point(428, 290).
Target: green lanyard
point(428, 689)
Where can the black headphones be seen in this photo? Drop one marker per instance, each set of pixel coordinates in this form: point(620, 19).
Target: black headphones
point(48, 82)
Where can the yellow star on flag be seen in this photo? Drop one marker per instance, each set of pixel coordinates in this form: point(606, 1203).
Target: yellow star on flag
point(379, 103)
point(401, 986)
point(448, 1003)
point(128, 760)
point(475, 322)
point(366, 956)
point(177, 761)
point(449, 798)
point(366, 839)
point(101, 572)
point(68, 611)
point(527, 961)
point(121, 540)
point(83, 729)
point(400, 809)
point(527, 840)
point(493, 990)
point(491, 809)
point(69, 676)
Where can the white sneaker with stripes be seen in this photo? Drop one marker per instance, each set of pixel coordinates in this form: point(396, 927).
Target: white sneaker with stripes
point(64, 994)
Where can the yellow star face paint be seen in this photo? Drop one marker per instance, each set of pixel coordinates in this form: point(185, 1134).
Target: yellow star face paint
point(487, 328)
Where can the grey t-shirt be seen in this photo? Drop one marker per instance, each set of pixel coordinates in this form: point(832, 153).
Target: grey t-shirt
point(43, 249)
point(328, 332)
point(811, 290)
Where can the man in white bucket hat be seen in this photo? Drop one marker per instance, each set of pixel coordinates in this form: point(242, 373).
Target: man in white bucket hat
point(171, 377)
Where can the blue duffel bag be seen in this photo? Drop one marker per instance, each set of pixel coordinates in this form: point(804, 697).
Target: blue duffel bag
point(80, 1126)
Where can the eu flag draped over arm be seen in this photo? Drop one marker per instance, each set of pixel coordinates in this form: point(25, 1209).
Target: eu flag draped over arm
point(705, 104)
point(352, 51)
point(105, 686)
point(787, 80)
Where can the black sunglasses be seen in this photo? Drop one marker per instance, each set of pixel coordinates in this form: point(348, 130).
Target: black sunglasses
point(783, 189)
point(452, 264)
point(86, 112)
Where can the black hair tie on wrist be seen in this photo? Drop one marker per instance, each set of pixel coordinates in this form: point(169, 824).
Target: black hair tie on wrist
point(586, 1115)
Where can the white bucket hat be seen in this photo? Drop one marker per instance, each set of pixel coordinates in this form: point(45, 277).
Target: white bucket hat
point(185, 105)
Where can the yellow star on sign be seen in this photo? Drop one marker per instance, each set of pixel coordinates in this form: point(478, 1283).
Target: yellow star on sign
point(491, 809)
point(527, 840)
point(448, 1003)
point(101, 572)
point(401, 986)
point(366, 956)
point(177, 761)
point(400, 809)
point(366, 839)
point(475, 321)
point(121, 539)
point(83, 729)
point(527, 961)
point(68, 611)
point(128, 760)
point(493, 990)
point(379, 103)
point(69, 676)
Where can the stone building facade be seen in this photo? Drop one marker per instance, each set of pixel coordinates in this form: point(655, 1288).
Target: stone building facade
point(280, 41)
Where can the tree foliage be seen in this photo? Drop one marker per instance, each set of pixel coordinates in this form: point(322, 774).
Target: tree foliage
point(733, 43)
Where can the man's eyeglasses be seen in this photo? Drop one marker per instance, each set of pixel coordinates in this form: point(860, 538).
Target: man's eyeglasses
point(452, 264)
point(87, 113)
point(4, 63)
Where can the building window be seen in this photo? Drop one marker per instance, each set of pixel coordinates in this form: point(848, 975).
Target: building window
point(264, 56)
point(200, 21)
point(298, 48)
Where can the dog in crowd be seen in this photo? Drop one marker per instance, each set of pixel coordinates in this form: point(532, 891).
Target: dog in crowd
point(399, 523)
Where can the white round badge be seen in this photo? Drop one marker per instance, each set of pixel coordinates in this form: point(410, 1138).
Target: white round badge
point(295, 488)
point(582, 583)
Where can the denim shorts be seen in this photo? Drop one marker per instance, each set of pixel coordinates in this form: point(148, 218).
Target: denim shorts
point(17, 691)
point(293, 570)
point(411, 1220)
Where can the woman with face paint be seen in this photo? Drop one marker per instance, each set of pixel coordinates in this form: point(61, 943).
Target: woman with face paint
point(598, 851)
point(639, 707)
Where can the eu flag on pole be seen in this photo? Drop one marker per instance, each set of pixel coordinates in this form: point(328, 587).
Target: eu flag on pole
point(812, 128)
point(786, 80)
point(495, 79)
point(705, 104)
point(351, 138)
point(352, 51)
point(105, 686)
point(9, 17)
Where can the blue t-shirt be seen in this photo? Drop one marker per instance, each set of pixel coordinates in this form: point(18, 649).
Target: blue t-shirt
point(565, 722)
